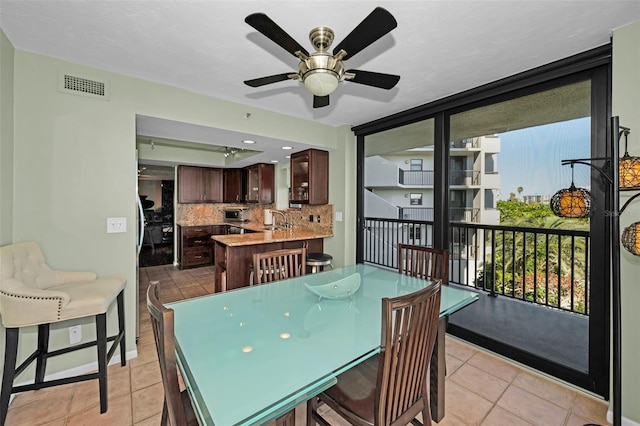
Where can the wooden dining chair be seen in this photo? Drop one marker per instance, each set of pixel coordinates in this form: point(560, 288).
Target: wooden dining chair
point(390, 388)
point(279, 264)
point(424, 262)
point(177, 409)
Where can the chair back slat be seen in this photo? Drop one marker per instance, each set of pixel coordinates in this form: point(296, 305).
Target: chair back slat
point(162, 324)
point(279, 264)
point(409, 326)
point(424, 262)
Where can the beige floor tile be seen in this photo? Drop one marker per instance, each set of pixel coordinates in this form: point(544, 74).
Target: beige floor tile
point(195, 291)
point(546, 389)
point(451, 420)
point(147, 402)
point(532, 408)
point(26, 397)
point(61, 422)
point(87, 394)
point(590, 408)
point(40, 411)
point(501, 417)
point(494, 365)
point(118, 414)
point(452, 364)
point(465, 405)
point(146, 353)
point(458, 350)
point(151, 421)
point(145, 375)
point(479, 381)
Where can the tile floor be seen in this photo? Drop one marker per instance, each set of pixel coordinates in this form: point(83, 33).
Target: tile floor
point(481, 389)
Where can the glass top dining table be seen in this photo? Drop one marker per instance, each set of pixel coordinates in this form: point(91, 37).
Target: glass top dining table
point(250, 355)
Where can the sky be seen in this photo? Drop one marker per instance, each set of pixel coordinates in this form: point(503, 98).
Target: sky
point(531, 158)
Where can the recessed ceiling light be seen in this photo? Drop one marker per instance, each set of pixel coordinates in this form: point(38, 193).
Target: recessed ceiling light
point(274, 161)
point(288, 156)
point(287, 147)
point(248, 141)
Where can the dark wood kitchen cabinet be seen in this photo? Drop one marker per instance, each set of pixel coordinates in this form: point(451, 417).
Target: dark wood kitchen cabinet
point(309, 177)
point(232, 186)
point(199, 184)
point(195, 247)
point(260, 183)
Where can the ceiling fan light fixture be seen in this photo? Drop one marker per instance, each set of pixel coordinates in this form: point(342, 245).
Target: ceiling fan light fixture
point(321, 82)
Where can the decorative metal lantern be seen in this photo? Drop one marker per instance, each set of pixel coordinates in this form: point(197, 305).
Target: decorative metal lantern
point(571, 202)
point(629, 172)
point(631, 238)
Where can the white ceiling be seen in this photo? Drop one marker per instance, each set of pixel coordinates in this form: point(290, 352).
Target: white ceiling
point(439, 47)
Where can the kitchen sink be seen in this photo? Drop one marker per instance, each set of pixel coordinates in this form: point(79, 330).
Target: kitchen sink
point(271, 228)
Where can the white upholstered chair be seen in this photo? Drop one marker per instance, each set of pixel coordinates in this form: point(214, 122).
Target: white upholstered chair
point(33, 294)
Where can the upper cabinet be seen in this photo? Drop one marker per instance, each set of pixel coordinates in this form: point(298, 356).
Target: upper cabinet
point(260, 183)
point(233, 185)
point(199, 185)
point(310, 177)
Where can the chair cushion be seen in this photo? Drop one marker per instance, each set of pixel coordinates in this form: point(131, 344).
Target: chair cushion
point(319, 257)
point(90, 298)
point(356, 389)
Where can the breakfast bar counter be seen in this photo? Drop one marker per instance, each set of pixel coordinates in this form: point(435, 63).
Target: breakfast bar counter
point(233, 253)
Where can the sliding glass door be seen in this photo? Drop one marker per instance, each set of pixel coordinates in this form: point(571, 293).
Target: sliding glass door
point(474, 174)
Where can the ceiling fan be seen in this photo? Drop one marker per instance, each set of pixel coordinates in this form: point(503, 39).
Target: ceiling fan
point(321, 71)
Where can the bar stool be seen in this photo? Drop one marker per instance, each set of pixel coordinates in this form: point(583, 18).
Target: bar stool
point(319, 260)
point(31, 293)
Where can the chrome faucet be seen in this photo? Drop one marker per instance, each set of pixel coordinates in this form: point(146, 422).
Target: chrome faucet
point(284, 218)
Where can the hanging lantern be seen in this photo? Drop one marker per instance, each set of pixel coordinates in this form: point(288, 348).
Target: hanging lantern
point(629, 172)
point(631, 238)
point(571, 202)
point(628, 167)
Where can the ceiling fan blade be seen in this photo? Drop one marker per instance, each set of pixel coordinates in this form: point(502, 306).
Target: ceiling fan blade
point(375, 79)
point(377, 24)
point(257, 82)
point(270, 29)
point(320, 101)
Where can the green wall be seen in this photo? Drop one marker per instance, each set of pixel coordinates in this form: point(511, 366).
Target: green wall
point(75, 166)
point(6, 140)
point(626, 105)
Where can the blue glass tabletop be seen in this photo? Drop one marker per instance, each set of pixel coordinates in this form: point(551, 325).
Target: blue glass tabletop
point(249, 355)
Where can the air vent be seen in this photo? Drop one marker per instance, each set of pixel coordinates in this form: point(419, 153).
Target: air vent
point(83, 86)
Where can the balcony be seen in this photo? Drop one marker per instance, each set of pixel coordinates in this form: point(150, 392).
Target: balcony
point(539, 279)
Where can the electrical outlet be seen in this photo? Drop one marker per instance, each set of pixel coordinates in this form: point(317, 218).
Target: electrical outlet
point(318, 219)
point(75, 334)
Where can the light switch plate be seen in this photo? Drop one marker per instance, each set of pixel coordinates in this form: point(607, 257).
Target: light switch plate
point(116, 225)
point(338, 216)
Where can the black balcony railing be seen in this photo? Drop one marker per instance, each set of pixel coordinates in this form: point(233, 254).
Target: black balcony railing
point(548, 267)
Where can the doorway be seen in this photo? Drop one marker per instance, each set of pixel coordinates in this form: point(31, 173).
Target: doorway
point(156, 192)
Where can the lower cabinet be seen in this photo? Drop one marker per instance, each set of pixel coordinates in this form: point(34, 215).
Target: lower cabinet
point(195, 246)
point(235, 261)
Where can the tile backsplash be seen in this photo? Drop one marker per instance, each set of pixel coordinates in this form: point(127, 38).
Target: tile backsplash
point(211, 214)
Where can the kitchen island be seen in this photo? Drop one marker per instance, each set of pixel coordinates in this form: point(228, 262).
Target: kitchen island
point(233, 253)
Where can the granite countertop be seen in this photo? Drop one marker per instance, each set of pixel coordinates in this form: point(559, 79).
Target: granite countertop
point(264, 237)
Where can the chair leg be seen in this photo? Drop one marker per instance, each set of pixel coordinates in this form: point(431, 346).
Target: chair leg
point(121, 326)
point(43, 349)
point(10, 356)
point(101, 340)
